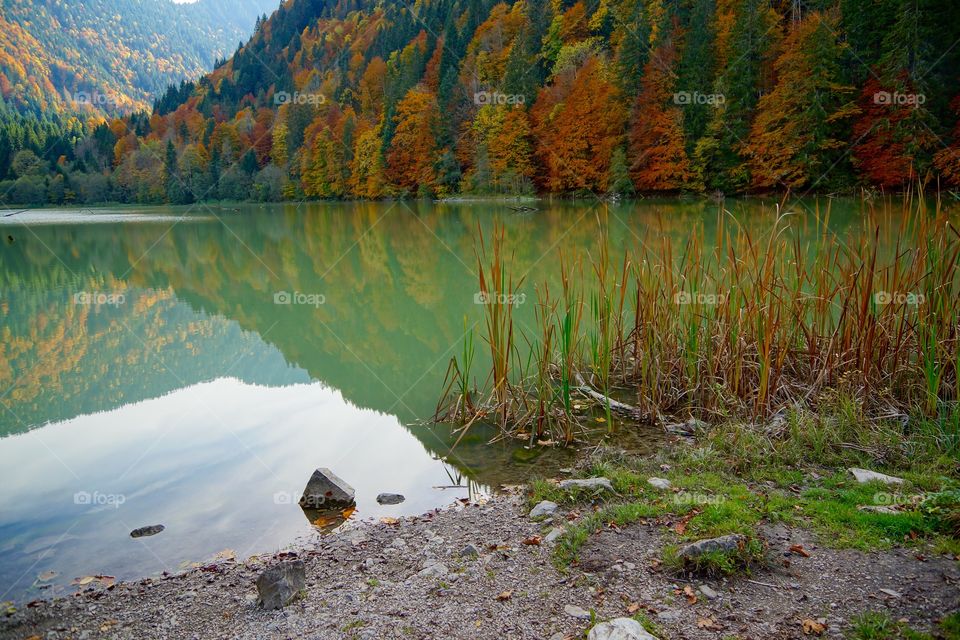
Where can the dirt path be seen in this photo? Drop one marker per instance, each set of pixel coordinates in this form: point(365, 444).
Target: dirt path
point(412, 580)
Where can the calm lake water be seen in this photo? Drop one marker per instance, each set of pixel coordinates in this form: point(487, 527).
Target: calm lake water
point(191, 367)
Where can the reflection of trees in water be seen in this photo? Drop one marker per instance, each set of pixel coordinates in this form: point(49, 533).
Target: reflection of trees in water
point(398, 281)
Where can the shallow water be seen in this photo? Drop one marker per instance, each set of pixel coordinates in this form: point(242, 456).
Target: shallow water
point(191, 367)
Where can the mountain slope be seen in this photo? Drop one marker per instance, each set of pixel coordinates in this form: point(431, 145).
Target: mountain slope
point(95, 55)
point(372, 99)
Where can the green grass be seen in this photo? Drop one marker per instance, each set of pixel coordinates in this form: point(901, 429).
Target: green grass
point(877, 625)
point(734, 479)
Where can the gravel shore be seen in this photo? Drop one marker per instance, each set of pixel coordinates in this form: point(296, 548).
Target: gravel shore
point(419, 578)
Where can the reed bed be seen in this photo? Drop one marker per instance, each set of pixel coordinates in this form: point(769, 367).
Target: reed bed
point(745, 328)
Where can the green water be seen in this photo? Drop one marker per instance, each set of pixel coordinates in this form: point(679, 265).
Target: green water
point(192, 366)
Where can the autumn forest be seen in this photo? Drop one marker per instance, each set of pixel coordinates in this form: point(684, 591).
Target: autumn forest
point(363, 99)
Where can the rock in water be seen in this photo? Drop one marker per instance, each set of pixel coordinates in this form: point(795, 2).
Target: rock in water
point(620, 629)
point(587, 483)
point(152, 530)
point(326, 490)
point(279, 585)
point(865, 475)
point(390, 498)
point(543, 508)
point(731, 542)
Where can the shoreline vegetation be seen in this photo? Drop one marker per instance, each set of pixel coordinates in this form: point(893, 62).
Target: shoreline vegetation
point(739, 326)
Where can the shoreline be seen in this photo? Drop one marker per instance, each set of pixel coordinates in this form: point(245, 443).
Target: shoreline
point(418, 577)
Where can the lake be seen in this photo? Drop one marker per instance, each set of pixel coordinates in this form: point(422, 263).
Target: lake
point(192, 366)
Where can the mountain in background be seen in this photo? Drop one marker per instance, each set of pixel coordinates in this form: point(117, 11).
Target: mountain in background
point(113, 56)
point(372, 99)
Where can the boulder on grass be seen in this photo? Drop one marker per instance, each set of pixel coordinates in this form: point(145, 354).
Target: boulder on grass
point(326, 490)
point(865, 475)
point(587, 483)
point(280, 584)
point(728, 543)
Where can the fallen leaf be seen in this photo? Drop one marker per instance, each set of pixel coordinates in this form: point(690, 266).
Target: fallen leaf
point(799, 550)
point(505, 595)
point(601, 419)
point(226, 554)
point(349, 511)
point(84, 580)
point(691, 596)
point(533, 540)
point(389, 520)
point(706, 623)
point(47, 576)
point(812, 626)
point(633, 607)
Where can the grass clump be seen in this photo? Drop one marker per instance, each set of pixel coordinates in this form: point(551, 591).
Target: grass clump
point(747, 556)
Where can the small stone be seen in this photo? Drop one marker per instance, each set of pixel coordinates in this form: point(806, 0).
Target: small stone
point(554, 533)
point(577, 612)
point(390, 498)
point(668, 616)
point(587, 483)
point(730, 542)
point(709, 593)
point(280, 584)
point(865, 475)
point(469, 551)
point(878, 508)
point(543, 509)
point(434, 570)
point(659, 483)
point(152, 530)
point(619, 629)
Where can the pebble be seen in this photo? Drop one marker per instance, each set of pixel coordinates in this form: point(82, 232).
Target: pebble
point(543, 509)
point(577, 612)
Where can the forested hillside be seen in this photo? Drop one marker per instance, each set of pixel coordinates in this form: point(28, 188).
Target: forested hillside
point(373, 99)
point(65, 63)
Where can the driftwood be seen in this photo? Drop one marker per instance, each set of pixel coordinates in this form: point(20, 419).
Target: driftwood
point(615, 405)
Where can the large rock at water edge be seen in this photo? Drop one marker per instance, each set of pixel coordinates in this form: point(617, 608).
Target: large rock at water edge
point(620, 629)
point(326, 490)
point(280, 584)
point(865, 475)
point(587, 483)
point(729, 543)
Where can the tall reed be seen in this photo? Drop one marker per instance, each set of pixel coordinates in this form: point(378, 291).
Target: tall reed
point(747, 326)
